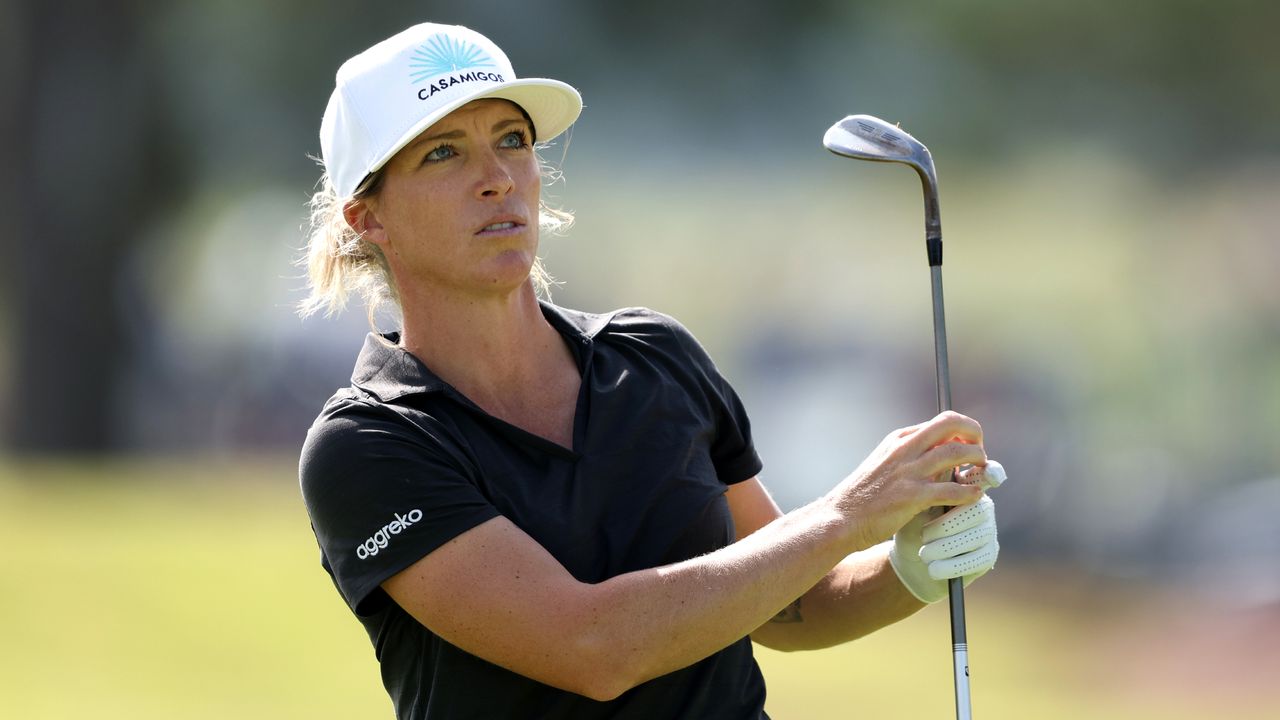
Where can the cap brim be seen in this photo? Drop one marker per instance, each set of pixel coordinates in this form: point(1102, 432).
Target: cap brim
point(552, 106)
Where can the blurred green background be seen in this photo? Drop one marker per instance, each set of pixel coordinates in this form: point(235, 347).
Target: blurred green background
point(1109, 175)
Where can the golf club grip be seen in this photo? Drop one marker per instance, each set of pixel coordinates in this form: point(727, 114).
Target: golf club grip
point(959, 648)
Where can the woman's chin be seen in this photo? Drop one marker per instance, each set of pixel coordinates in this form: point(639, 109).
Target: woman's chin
point(508, 271)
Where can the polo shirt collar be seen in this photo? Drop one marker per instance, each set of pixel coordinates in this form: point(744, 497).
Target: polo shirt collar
point(389, 372)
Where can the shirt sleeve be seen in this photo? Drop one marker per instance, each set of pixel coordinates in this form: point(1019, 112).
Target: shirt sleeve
point(382, 493)
point(732, 450)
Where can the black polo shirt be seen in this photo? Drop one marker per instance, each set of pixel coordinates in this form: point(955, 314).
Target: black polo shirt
point(400, 462)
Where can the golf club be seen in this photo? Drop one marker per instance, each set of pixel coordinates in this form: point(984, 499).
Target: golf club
point(864, 137)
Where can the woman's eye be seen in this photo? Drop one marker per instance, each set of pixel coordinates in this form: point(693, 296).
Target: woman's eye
point(513, 140)
point(444, 152)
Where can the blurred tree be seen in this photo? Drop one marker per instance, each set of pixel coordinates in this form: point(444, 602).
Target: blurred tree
point(88, 172)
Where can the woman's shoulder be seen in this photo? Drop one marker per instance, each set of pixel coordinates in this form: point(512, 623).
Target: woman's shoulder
point(355, 426)
point(656, 335)
point(642, 317)
point(660, 329)
point(629, 322)
point(348, 425)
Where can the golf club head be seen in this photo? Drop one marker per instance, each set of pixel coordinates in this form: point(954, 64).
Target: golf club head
point(864, 137)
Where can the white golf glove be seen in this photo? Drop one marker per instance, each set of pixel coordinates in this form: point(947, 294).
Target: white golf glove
point(961, 542)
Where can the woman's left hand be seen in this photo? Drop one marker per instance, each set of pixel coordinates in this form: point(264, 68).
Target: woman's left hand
point(961, 542)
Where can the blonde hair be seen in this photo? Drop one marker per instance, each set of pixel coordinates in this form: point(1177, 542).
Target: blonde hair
point(339, 261)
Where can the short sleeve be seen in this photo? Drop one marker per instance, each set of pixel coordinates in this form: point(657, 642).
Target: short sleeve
point(732, 450)
point(382, 493)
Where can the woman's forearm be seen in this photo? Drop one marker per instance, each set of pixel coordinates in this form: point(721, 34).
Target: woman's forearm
point(859, 596)
point(667, 618)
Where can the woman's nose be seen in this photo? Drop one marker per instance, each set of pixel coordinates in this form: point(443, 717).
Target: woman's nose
point(495, 179)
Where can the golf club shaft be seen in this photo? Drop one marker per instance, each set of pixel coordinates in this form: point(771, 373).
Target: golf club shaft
point(955, 586)
point(865, 137)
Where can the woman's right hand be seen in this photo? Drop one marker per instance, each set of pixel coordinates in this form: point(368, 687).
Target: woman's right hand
point(909, 472)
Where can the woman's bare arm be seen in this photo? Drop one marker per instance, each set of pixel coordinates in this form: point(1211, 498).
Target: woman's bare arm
point(494, 592)
point(860, 595)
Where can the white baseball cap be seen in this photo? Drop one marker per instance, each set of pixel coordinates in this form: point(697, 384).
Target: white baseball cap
point(387, 95)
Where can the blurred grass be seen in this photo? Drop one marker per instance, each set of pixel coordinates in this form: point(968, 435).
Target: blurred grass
point(191, 588)
point(183, 589)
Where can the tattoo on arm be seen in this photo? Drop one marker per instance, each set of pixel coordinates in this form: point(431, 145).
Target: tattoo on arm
point(789, 614)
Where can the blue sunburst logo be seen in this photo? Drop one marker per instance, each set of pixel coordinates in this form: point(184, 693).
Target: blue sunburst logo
point(442, 54)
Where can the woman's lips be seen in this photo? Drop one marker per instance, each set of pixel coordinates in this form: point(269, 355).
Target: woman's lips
point(501, 226)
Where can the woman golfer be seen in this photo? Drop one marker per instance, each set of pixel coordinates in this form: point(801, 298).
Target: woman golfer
point(537, 512)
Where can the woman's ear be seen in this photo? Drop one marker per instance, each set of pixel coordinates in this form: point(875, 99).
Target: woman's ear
point(362, 218)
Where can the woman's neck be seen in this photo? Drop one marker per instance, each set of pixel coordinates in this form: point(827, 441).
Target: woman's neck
point(485, 346)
